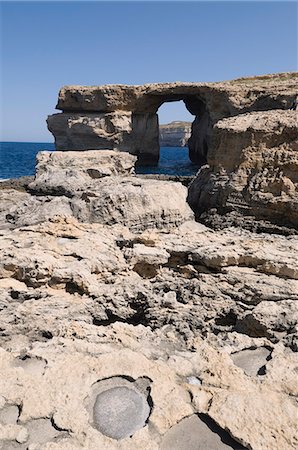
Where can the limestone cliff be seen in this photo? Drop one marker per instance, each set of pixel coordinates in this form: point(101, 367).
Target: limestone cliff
point(174, 134)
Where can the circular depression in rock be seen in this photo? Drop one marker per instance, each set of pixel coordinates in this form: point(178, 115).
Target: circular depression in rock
point(120, 411)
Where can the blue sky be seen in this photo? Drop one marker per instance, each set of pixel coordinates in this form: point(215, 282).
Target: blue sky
point(45, 45)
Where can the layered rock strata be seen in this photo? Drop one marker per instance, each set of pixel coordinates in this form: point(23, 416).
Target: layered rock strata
point(158, 334)
point(124, 117)
point(97, 187)
point(174, 134)
point(252, 167)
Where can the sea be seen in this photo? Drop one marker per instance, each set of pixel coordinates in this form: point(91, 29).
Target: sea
point(17, 159)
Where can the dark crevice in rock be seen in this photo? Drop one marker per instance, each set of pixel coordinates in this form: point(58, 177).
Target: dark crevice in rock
point(47, 334)
point(112, 318)
point(136, 319)
point(124, 243)
point(125, 377)
point(227, 319)
point(20, 409)
point(94, 174)
point(225, 437)
point(145, 270)
point(221, 218)
point(22, 296)
point(262, 371)
point(150, 403)
point(177, 259)
point(57, 191)
point(54, 425)
point(78, 257)
point(72, 288)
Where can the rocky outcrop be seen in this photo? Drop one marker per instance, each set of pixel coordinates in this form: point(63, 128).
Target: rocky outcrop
point(125, 324)
point(124, 117)
point(142, 329)
point(188, 325)
point(118, 131)
point(174, 134)
point(97, 187)
point(70, 172)
point(252, 167)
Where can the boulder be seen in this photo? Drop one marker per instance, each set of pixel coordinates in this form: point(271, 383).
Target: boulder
point(96, 187)
point(69, 172)
point(137, 203)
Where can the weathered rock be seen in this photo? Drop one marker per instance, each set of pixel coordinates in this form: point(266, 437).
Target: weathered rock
point(119, 131)
point(65, 290)
point(10, 200)
point(124, 117)
point(136, 203)
point(193, 433)
point(252, 166)
point(74, 131)
point(69, 172)
point(252, 361)
point(174, 134)
point(120, 411)
point(261, 92)
point(31, 210)
point(179, 276)
point(92, 187)
point(148, 329)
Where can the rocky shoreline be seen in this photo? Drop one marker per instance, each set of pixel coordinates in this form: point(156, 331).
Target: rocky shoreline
point(128, 323)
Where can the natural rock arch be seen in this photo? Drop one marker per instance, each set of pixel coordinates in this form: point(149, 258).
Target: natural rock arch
point(124, 118)
point(145, 128)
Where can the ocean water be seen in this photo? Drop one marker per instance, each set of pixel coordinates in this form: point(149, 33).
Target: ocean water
point(17, 159)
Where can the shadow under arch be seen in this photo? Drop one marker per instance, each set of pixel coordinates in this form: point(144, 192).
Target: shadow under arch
point(146, 130)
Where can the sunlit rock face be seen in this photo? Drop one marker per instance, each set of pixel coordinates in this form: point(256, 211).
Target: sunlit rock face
point(124, 118)
point(252, 166)
point(174, 134)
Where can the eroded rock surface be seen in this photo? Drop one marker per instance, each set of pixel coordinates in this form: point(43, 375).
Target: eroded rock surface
point(77, 312)
point(95, 187)
point(125, 324)
point(252, 167)
point(124, 117)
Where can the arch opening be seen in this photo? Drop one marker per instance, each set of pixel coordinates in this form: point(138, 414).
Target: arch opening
point(179, 147)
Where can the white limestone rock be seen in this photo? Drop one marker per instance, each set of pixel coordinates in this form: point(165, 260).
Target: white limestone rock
point(69, 172)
